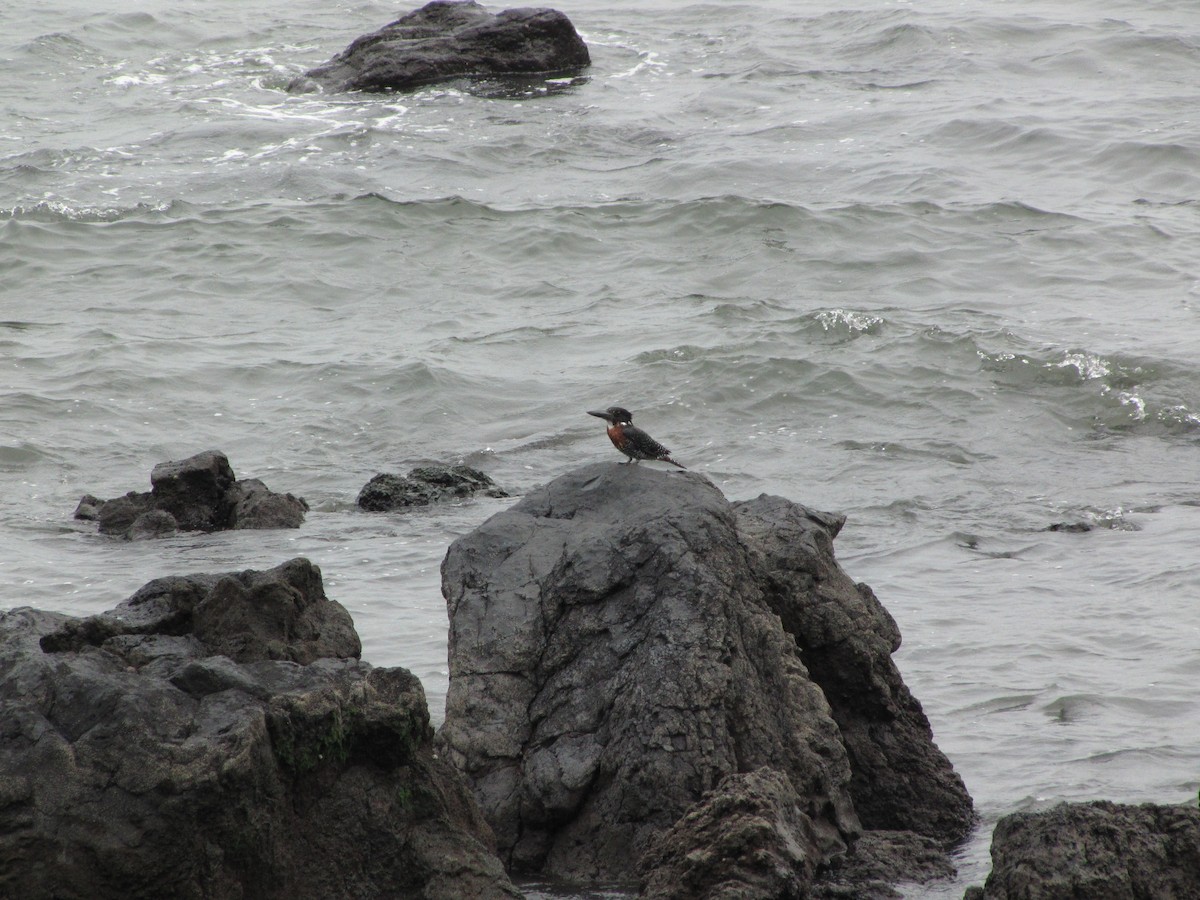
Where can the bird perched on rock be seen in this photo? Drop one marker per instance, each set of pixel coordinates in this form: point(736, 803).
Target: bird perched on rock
point(630, 439)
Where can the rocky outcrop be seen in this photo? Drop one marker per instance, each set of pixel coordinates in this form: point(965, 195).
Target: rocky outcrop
point(199, 493)
point(425, 485)
point(1101, 850)
point(445, 40)
point(622, 640)
point(900, 780)
point(216, 736)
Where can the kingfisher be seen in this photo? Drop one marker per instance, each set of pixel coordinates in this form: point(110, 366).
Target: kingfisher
point(630, 439)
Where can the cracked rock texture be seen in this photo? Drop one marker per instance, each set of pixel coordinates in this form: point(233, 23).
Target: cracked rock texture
point(1098, 851)
point(623, 639)
point(216, 736)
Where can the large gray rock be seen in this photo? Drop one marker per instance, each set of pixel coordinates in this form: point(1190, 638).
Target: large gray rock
point(1097, 851)
point(617, 650)
point(199, 493)
point(444, 40)
point(216, 736)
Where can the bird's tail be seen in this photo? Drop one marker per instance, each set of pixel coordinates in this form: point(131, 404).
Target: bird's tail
point(672, 462)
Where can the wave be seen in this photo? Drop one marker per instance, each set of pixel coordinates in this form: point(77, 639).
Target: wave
point(51, 211)
point(1116, 392)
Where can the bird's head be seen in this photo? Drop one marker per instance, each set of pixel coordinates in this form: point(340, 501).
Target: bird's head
point(614, 415)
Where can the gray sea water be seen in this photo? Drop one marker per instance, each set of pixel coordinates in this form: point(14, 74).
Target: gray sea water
point(931, 264)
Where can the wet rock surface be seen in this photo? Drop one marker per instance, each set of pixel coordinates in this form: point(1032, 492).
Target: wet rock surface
point(447, 40)
point(747, 837)
point(1101, 850)
point(199, 493)
point(425, 485)
point(624, 640)
point(900, 780)
point(880, 859)
point(217, 736)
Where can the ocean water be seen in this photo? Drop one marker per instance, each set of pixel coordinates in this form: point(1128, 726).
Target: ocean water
point(934, 265)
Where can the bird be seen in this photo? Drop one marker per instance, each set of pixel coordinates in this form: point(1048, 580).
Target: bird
point(630, 439)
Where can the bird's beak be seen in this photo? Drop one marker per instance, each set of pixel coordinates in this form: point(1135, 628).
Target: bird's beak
point(600, 415)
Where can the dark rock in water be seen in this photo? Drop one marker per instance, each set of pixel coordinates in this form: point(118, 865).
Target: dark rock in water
point(194, 490)
point(447, 40)
point(118, 516)
point(746, 838)
point(425, 485)
point(617, 650)
point(195, 494)
point(1071, 527)
point(257, 506)
point(216, 736)
point(153, 524)
point(1095, 850)
point(89, 508)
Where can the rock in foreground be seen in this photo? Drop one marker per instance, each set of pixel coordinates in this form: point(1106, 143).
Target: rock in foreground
point(623, 640)
point(425, 485)
point(746, 838)
point(1100, 850)
point(199, 493)
point(446, 40)
point(216, 736)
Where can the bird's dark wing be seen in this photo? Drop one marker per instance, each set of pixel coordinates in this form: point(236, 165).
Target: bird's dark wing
point(644, 445)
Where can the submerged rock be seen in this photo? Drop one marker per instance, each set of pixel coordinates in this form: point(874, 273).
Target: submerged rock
point(216, 736)
point(425, 485)
point(623, 640)
point(199, 493)
point(1099, 849)
point(444, 40)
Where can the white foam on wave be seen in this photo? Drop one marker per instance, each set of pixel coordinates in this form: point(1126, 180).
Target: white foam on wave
point(848, 320)
point(1088, 365)
point(136, 79)
point(1135, 403)
point(330, 121)
point(646, 59)
point(79, 212)
point(1179, 414)
point(649, 59)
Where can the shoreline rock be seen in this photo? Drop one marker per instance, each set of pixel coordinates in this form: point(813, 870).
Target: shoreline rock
point(199, 493)
point(1096, 849)
point(450, 39)
point(217, 736)
point(625, 641)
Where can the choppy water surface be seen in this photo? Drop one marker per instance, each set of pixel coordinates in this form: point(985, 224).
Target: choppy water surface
point(933, 265)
